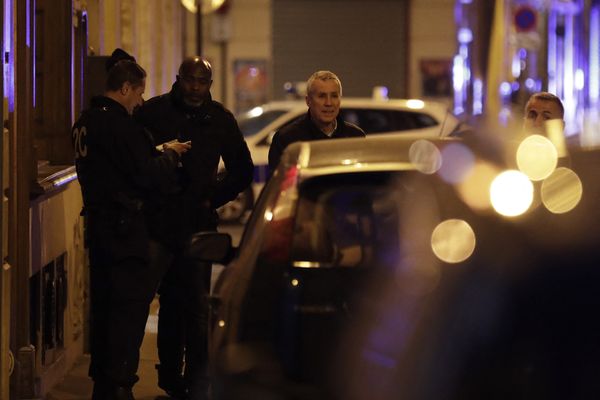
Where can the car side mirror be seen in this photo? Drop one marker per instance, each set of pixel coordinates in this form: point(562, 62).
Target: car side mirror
point(213, 247)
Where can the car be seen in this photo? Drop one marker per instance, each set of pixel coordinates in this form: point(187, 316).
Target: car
point(381, 117)
point(397, 267)
point(325, 226)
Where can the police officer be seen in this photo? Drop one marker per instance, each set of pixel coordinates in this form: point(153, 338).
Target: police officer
point(188, 113)
point(119, 168)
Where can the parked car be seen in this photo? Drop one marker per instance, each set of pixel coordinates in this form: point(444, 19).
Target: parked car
point(385, 117)
point(388, 268)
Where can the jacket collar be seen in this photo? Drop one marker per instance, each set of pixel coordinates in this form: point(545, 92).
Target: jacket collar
point(107, 103)
point(316, 131)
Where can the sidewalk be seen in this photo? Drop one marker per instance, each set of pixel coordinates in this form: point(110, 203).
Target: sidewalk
point(78, 386)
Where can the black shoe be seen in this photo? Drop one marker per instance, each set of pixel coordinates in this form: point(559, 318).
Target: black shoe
point(99, 392)
point(172, 383)
point(123, 393)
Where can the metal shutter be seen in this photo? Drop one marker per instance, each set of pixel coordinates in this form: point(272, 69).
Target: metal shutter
point(363, 42)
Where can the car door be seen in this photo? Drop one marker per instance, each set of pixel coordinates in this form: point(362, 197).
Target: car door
point(340, 242)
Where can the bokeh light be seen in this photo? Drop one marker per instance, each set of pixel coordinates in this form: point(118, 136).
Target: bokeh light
point(425, 156)
point(561, 191)
point(537, 157)
point(475, 190)
point(511, 193)
point(458, 163)
point(453, 241)
point(555, 130)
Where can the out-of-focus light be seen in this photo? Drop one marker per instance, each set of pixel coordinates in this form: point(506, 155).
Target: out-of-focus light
point(511, 193)
point(579, 79)
point(221, 323)
point(453, 241)
point(208, 5)
point(516, 66)
point(555, 132)
point(256, 111)
point(465, 35)
point(415, 104)
point(348, 161)
point(561, 191)
point(380, 93)
point(537, 157)
point(306, 264)
point(594, 55)
point(475, 190)
point(477, 96)
point(295, 282)
point(425, 156)
point(190, 5)
point(530, 83)
point(458, 163)
point(268, 215)
point(458, 73)
point(505, 89)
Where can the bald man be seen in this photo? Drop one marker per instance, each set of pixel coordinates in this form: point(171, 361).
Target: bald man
point(188, 113)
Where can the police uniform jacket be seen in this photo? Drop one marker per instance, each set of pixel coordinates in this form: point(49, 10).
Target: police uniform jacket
point(304, 129)
point(119, 170)
point(214, 134)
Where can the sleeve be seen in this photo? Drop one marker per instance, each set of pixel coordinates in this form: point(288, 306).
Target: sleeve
point(239, 168)
point(150, 169)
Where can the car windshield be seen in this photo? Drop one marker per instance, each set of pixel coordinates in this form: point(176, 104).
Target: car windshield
point(250, 123)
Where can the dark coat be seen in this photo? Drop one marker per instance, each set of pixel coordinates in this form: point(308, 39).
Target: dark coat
point(119, 171)
point(304, 129)
point(214, 134)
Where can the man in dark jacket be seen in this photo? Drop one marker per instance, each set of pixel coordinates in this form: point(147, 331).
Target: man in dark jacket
point(322, 121)
point(188, 113)
point(119, 171)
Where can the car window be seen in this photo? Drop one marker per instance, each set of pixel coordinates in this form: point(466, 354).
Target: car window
point(348, 220)
point(249, 125)
point(385, 120)
point(266, 141)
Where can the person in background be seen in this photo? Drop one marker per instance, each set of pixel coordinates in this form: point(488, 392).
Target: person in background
point(119, 170)
point(540, 108)
point(322, 121)
point(188, 113)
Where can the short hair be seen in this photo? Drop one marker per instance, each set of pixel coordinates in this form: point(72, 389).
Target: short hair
point(125, 71)
point(322, 76)
point(547, 96)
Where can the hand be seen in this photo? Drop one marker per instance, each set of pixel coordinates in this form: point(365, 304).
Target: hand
point(179, 147)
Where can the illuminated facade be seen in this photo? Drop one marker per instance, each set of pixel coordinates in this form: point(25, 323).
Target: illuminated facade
point(534, 45)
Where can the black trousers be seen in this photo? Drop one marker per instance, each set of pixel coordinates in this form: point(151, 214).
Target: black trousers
point(183, 321)
point(120, 293)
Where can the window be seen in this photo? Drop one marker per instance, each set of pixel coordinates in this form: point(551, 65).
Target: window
point(251, 125)
point(346, 221)
point(384, 120)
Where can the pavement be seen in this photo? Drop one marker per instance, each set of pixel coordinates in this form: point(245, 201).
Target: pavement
point(78, 386)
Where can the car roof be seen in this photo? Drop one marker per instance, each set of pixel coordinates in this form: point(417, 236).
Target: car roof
point(372, 153)
point(347, 102)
